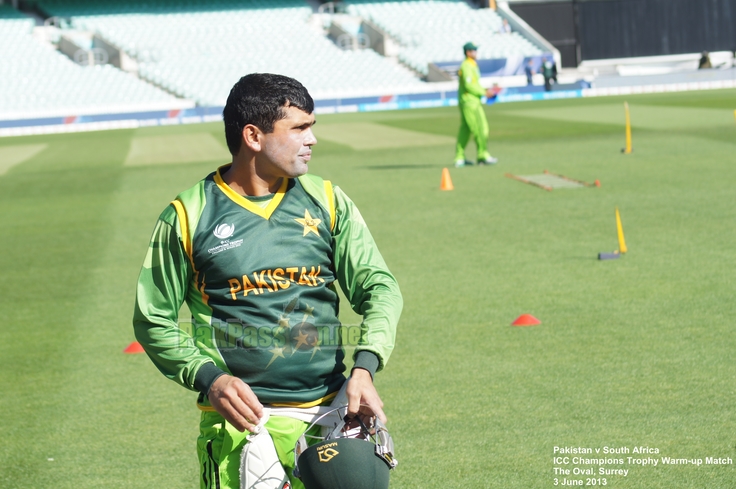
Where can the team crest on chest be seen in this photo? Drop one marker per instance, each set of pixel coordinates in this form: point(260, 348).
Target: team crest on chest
point(310, 224)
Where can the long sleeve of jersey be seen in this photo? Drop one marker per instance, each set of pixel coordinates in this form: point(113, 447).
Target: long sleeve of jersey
point(365, 279)
point(161, 291)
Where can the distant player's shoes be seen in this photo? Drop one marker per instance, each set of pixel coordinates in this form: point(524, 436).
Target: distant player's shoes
point(461, 163)
point(488, 161)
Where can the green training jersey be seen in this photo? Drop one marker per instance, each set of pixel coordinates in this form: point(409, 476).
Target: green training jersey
point(469, 88)
point(259, 279)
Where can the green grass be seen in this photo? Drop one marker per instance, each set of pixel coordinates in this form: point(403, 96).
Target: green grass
point(633, 352)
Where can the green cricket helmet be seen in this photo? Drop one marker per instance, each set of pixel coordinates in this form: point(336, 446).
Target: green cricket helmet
point(355, 454)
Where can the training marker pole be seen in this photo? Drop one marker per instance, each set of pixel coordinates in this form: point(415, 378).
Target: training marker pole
point(628, 129)
point(620, 229)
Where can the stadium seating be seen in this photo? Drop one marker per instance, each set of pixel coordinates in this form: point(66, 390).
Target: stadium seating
point(35, 78)
point(435, 30)
point(198, 49)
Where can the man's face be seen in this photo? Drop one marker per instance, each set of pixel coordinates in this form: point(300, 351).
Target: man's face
point(471, 53)
point(286, 151)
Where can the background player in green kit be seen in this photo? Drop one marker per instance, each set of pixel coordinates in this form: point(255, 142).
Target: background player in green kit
point(472, 117)
point(255, 250)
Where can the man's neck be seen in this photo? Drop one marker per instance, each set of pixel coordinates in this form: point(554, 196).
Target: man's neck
point(243, 178)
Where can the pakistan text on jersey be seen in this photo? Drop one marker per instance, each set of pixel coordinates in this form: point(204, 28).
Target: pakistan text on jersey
point(302, 336)
point(276, 279)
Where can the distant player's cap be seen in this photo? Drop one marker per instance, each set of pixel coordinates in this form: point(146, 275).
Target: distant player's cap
point(469, 46)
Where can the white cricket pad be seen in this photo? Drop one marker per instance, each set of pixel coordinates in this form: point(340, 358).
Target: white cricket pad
point(260, 467)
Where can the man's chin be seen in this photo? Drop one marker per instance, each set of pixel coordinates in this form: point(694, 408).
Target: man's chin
point(299, 170)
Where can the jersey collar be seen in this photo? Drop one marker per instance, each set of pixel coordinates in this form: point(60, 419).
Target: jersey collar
point(247, 204)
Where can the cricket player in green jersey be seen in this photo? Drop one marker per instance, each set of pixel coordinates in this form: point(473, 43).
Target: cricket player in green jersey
point(255, 250)
point(473, 118)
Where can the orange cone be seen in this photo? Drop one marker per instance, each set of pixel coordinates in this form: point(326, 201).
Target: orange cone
point(446, 183)
point(526, 320)
point(134, 347)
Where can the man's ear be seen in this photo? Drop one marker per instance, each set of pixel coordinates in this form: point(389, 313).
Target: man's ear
point(252, 137)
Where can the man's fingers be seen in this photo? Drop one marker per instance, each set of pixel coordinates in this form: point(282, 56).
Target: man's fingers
point(356, 396)
point(372, 407)
point(376, 405)
point(236, 402)
point(361, 391)
point(241, 416)
point(353, 405)
point(375, 409)
point(235, 417)
point(252, 406)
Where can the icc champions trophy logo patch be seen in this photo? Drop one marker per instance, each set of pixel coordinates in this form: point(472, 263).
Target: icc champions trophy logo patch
point(224, 231)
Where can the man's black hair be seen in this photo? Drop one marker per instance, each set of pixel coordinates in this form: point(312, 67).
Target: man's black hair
point(260, 99)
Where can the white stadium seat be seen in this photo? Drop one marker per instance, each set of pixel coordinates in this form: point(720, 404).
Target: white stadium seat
point(197, 49)
point(34, 77)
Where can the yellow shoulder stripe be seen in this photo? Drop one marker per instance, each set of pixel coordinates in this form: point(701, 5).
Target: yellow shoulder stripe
point(331, 201)
point(186, 238)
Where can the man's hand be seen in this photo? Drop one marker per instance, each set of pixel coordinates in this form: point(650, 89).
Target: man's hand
point(360, 390)
point(233, 399)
